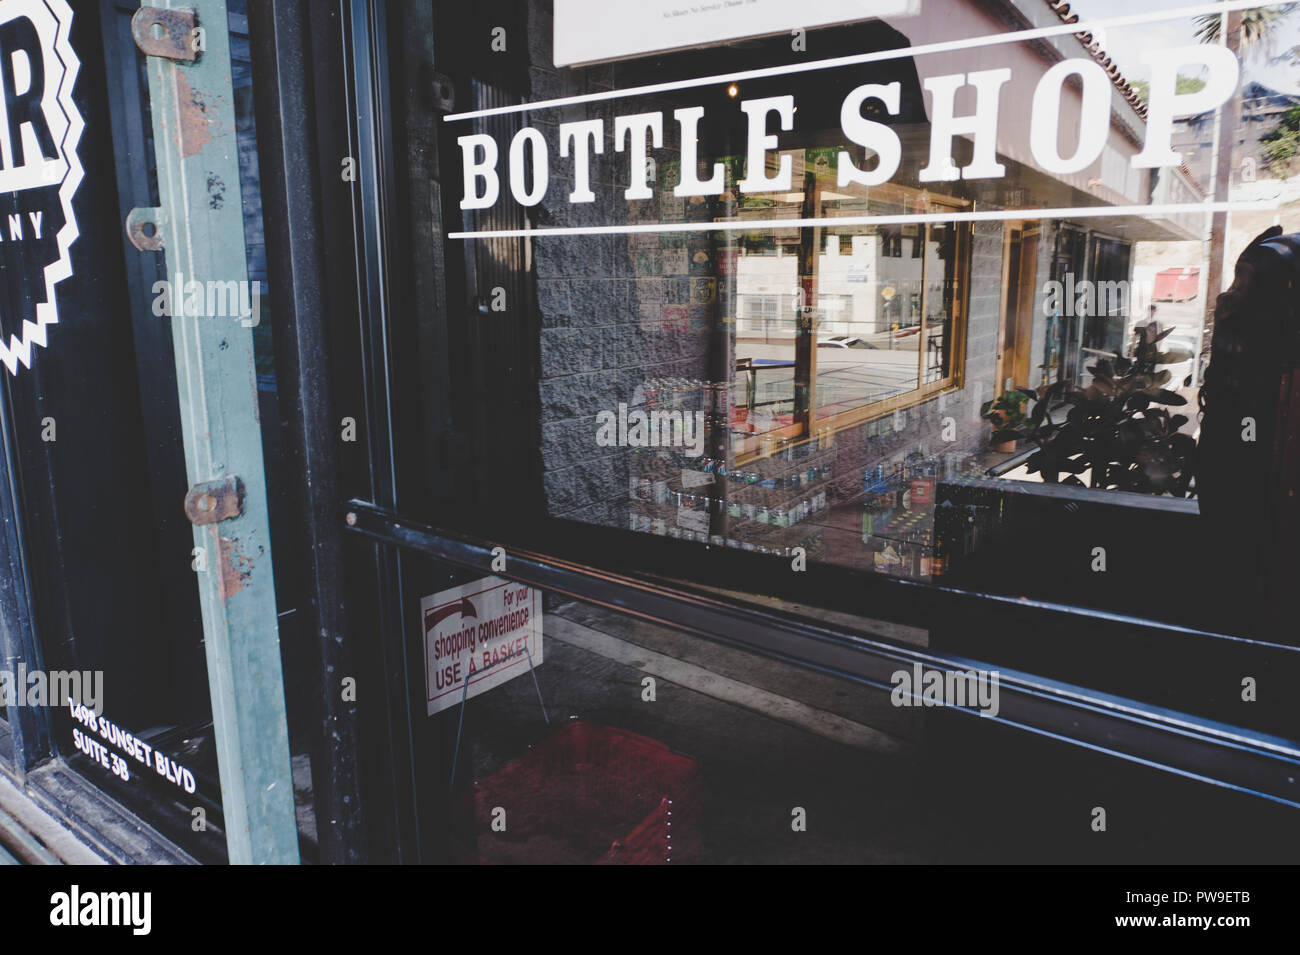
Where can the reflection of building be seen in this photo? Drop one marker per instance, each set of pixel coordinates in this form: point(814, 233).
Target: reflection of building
point(1039, 344)
point(1261, 109)
point(868, 284)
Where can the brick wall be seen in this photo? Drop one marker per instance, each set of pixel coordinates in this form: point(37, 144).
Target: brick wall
point(603, 300)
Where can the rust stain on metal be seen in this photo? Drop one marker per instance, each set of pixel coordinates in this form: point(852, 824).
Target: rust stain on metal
point(195, 130)
point(236, 567)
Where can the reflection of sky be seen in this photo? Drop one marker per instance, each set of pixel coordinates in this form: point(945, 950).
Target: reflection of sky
point(1125, 45)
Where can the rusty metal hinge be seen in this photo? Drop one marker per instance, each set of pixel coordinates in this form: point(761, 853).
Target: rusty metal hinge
point(214, 501)
point(165, 33)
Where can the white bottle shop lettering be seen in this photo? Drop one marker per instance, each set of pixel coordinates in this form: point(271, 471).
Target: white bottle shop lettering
point(529, 157)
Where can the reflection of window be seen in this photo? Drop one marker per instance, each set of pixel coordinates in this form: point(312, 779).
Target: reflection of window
point(835, 309)
point(896, 292)
point(903, 315)
point(891, 241)
point(762, 313)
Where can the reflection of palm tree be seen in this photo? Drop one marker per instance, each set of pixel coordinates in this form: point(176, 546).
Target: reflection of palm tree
point(1257, 26)
point(1246, 28)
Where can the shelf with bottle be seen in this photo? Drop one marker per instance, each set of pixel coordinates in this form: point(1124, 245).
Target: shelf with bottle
point(653, 489)
point(754, 449)
point(769, 509)
point(965, 521)
point(903, 558)
point(903, 542)
point(685, 394)
point(798, 474)
point(670, 519)
point(787, 512)
point(947, 534)
point(975, 479)
point(673, 459)
point(749, 535)
point(750, 499)
point(698, 512)
point(781, 500)
point(780, 472)
point(902, 486)
point(927, 542)
point(915, 526)
point(898, 516)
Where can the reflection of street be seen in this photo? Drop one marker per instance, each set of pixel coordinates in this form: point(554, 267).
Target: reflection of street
point(903, 339)
point(849, 376)
point(858, 383)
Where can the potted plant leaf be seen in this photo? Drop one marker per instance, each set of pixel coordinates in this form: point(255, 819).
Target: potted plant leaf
point(1118, 430)
point(1010, 423)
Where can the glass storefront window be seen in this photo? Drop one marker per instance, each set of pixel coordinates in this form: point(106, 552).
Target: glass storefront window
point(901, 295)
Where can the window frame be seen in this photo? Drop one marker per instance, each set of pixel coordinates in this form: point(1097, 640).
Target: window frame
point(925, 391)
point(750, 449)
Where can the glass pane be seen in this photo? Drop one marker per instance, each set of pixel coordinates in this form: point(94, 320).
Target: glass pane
point(911, 302)
point(790, 309)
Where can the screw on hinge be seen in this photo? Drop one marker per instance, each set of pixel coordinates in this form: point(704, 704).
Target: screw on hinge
point(165, 33)
point(143, 229)
point(214, 501)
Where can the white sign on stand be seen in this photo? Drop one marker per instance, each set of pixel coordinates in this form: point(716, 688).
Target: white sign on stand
point(484, 632)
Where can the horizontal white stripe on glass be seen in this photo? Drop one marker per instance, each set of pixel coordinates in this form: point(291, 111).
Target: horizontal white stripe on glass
point(991, 215)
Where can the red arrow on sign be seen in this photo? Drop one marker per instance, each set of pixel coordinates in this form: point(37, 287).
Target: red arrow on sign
point(439, 614)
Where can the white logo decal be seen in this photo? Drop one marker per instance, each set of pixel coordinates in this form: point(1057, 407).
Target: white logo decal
point(39, 170)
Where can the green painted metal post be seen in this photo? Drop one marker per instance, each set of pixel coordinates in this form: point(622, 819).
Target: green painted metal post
point(201, 230)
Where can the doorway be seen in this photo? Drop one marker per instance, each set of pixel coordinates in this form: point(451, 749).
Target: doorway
point(1018, 320)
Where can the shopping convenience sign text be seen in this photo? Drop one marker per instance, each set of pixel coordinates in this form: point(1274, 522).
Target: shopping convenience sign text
point(476, 637)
